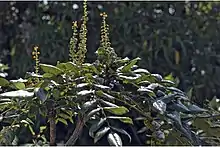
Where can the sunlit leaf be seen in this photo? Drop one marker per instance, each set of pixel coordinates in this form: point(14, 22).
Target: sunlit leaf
point(92, 112)
point(129, 65)
point(117, 110)
point(19, 85)
point(19, 93)
point(3, 82)
point(100, 134)
point(85, 92)
point(160, 106)
point(50, 69)
point(101, 86)
point(122, 119)
point(114, 139)
point(157, 76)
point(61, 120)
point(108, 103)
point(140, 70)
point(81, 85)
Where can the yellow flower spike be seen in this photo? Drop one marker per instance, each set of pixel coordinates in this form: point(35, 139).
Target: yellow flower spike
point(73, 43)
point(105, 41)
point(36, 54)
point(82, 36)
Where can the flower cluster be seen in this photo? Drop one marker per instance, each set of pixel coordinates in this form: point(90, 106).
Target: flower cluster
point(105, 41)
point(73, 43)
point(36, 54)
point(82, 36)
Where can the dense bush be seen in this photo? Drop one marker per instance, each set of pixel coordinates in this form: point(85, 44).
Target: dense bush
point(111, 98)
point(152, 31)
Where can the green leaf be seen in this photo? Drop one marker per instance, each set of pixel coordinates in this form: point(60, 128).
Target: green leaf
point(32, 74)
point(25, 122)
point(152, 86)
point(130, 78)
point(143, 89)
point(18, 93)
point(122, 119)
point(122, 131)
point(143, 83)
point(64, 116)
point(81, 85)
point(174, 89)
point(42, 128)
point(4, 82)
point(167, 98)
point(19, 85)
point(102, 86)
point(157, 76)
point(30, 121)
point(128, 67)
point(89, 104)
point(48, 75)
point(90, 67)
point(100, 93)
point(122, 61)
point(117, 110)
point(5, 100)
point(114, 139)
point(140, 70)
point(169, 77)
point(100, 134)
point(31, 129)
point(108, 103)
point(5, 105)
point(19, 80)
point(92, 112)
point(96, 126)
point(50, 69)
point(85, 92)
point(168, 82)
point(61, 120)
point(69, 66)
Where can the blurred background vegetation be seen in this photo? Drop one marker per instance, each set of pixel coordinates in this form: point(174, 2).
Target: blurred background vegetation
point(174, 39)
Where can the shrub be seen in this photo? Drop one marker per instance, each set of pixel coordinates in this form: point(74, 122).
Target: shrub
point(111, 98)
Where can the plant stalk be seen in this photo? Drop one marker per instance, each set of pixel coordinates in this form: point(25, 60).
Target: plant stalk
point(52, 122)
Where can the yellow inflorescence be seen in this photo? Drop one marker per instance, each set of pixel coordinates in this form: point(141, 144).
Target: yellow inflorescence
point(82, 36)
point(36, 54)
point(73, 42)
point(105, 41)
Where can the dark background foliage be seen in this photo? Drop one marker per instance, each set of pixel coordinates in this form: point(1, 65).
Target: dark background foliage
point(151, 30)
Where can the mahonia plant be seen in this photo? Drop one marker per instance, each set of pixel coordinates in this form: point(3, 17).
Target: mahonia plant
point(111, 99)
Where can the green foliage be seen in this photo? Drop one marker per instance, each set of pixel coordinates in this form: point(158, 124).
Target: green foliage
point(102, 96)
point(179, 37)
